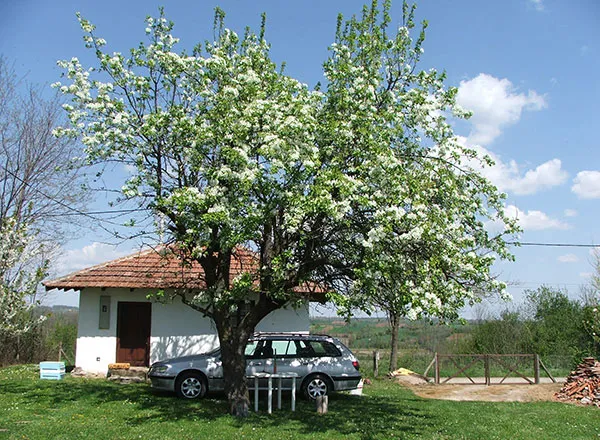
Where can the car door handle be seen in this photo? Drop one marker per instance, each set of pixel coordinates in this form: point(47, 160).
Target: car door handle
point(255, 363)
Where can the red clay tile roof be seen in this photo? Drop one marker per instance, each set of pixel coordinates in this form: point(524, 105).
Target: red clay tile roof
point(159, 268)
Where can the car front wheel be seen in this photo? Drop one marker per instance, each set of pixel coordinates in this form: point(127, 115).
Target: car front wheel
point(190, 386)
point(316, 386)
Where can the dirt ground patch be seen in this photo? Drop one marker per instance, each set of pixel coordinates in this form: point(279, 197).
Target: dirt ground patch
point(492, 393)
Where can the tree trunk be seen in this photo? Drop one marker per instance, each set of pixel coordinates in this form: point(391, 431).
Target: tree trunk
point(234, 372)
point(235, 321)
point(233, 339)
point(235, 326)
point(395, 325)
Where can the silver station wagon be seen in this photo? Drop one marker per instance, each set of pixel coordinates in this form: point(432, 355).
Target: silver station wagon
point(322, 364)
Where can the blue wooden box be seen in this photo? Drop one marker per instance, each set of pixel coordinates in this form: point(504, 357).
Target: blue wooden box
point(52, 370)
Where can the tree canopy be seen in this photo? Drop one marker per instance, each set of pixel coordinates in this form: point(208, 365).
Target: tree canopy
point(350, 185)
point(40, 179)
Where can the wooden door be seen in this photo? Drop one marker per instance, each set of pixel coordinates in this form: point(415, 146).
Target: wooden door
point(133, 333)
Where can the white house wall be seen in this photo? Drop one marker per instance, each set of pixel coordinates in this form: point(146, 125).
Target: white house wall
point(286, 320)
point(179, 330)
point(176, 329)
point(96, 348)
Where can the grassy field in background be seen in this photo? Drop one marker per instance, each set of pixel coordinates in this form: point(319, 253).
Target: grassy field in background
point(77, 408)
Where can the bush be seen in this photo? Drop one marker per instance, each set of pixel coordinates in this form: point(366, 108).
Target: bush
point(549, 324)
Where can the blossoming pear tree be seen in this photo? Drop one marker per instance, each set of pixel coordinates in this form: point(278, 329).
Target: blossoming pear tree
point(329, 187)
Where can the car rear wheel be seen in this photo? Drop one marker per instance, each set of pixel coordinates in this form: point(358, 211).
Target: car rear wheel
point(316, 386)
point(190, 385)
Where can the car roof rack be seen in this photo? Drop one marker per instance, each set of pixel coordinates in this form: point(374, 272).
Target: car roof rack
point(289, 334)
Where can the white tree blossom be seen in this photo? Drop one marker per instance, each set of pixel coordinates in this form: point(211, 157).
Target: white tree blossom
point(18, 282)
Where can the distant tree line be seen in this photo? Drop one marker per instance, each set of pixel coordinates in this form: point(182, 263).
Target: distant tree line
point(43, 342)
point(548, 323)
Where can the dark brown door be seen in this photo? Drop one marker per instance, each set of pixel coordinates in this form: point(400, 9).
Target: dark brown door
point(133, 333)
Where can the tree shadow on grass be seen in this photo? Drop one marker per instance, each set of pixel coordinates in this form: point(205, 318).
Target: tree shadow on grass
point(365, 417)
point(95, 392)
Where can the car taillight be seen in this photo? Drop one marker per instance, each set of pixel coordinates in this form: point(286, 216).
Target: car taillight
point(356, 365)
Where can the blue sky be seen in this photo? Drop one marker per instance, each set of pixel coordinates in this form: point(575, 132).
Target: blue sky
point(528, 69)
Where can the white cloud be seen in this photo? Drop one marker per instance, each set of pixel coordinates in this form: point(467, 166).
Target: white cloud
point(495, 103)
point(537, 4)
point(587, 185)
point(568, 258)
point(509, 176)
point(534, 220)
point(544, 176)
point(570, 213)
point(90, 255)
point(585, 274)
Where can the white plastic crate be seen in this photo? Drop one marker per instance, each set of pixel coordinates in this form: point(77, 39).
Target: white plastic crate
point(52, 370)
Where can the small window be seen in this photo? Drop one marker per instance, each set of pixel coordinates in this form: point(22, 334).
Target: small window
point(104, 319)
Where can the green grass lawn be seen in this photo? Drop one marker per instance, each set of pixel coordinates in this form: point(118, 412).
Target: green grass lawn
point(77, 408)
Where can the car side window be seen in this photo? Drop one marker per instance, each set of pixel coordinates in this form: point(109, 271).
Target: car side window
point(324, 348)
point(303, 349)
point(331, 349)
point(280, 347)
point(263, 350)
point(251, 348)
point(292, 349)
point(266, 349)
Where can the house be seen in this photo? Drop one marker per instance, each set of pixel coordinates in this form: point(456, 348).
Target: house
point(119, 322)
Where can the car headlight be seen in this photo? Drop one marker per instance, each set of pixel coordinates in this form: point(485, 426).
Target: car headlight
point(159, 369)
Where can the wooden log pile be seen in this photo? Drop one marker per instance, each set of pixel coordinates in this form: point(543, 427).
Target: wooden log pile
point(583, 384)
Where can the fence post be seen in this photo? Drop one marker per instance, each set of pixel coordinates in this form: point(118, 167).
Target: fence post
point(536, 368)
point(321, 402)
point(437, 369)
point(376, 363)
point(486, 367)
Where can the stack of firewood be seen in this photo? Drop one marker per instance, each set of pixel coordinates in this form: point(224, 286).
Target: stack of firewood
point(583, 384)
